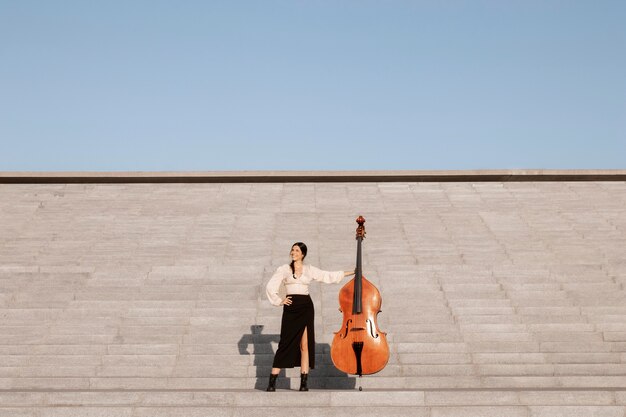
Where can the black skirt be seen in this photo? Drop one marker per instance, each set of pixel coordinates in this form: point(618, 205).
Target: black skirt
point(298, 316)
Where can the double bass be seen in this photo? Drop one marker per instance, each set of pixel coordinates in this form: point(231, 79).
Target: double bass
point(359, 347)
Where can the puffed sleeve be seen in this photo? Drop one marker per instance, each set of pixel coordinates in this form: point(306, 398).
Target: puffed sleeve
point(325, 276)
point(273, 286)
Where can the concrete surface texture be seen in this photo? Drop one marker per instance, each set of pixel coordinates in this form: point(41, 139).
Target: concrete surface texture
point(499, 298)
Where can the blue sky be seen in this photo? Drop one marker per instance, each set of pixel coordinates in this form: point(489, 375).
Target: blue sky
point(312, 85)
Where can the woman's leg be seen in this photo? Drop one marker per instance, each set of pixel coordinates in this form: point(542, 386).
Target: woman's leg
point(304, 350)
point(275, 371)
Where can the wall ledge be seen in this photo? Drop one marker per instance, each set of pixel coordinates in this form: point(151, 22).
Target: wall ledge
point(521, 175)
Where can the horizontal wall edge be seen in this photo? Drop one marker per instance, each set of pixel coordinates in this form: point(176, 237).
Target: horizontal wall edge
point(310, 176)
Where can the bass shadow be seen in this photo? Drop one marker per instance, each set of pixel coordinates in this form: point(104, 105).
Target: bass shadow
point(324, 376)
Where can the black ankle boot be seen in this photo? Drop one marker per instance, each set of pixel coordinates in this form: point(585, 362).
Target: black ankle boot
point(272, 385)
point(303, 378)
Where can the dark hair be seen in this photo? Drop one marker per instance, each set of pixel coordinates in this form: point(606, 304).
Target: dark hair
point(302, 247)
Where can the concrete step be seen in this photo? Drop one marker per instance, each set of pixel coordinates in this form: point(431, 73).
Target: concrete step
point(155, 378)
point(286, 401)
point(203, 367)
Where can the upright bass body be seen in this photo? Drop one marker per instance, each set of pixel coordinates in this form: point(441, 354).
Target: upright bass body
point(359, 347)
point(360, 328)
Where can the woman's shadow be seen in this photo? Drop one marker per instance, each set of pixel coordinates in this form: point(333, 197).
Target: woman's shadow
point(324, 376)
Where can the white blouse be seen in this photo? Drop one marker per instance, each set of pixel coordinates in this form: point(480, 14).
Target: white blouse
point(299, 285)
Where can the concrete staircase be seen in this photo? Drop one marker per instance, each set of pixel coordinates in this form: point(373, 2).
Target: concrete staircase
point(148, 299)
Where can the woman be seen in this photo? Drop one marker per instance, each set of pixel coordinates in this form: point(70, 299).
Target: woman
point(297, 337)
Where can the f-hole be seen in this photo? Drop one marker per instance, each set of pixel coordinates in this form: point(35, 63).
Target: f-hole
point(345, 334)
point(371, 326)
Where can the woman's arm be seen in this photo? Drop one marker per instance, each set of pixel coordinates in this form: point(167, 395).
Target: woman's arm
point(327, 276)
point(273, 286)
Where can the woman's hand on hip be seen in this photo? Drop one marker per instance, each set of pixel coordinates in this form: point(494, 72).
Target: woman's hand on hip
point(287, 301)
